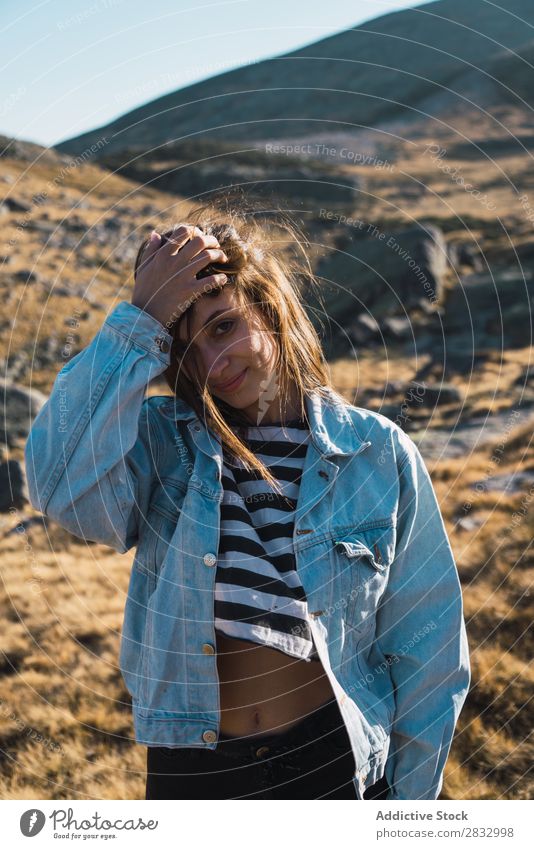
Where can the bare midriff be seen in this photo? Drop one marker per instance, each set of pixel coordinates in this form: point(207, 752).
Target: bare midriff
point(263, 691)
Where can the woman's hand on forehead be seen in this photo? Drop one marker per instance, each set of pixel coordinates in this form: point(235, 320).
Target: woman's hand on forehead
point(166, 283)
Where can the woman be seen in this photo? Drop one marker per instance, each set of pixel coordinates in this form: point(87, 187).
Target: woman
point(293, 626)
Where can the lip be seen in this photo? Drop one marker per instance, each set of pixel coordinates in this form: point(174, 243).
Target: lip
point(233, 384)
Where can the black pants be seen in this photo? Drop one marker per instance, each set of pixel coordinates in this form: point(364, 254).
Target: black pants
point(311, 760)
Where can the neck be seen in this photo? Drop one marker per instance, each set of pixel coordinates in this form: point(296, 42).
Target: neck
point(278, 412)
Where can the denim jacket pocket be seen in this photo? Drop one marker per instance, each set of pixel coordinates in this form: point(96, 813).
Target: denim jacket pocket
point(158, 529)
point(362, 561)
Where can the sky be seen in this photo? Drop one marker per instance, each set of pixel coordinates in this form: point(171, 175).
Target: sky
point(69, 66)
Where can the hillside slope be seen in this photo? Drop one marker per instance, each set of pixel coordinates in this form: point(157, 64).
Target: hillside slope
point(401, 66)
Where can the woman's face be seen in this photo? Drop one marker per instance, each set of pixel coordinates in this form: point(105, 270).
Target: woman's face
point(236, 354)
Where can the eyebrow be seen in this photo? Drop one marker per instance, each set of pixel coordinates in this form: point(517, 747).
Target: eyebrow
point(215, 314)
point(212, 317)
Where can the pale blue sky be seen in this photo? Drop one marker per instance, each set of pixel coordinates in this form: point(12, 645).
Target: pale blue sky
point(68, 66)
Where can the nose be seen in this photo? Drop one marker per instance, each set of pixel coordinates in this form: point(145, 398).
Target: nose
point(217, 365)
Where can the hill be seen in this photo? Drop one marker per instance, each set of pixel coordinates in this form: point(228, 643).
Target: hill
point(441, 59)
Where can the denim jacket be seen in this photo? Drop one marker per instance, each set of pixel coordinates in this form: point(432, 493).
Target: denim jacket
point(370, 545)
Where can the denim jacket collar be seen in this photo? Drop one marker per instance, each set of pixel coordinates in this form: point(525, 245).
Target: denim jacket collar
point(332, 429)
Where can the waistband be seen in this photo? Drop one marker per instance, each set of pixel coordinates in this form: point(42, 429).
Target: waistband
point(326, 717)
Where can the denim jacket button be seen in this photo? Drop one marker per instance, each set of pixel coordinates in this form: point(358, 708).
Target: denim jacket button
point(210, 559)
point(209, 736)
point(207, 648)
point(162, 344)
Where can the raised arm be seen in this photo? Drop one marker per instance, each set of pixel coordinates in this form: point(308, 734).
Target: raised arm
point(90, 456)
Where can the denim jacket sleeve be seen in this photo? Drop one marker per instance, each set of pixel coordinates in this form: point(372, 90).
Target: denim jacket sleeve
point(421, 630)
point(89, 455)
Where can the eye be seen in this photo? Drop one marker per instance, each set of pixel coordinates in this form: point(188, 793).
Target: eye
point(229, 321)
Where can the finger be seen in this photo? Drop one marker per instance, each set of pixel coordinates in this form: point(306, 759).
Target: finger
point(206, 257)
point(197, 244)
point(211, 285)
point(184, 228)
point(151, 246)
point(214, 283)
point(180, 236)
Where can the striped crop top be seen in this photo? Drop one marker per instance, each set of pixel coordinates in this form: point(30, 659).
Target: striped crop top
point(258, 593)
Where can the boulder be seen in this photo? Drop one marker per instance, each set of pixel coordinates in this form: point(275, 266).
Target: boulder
point(465, 254)
point(14, 205)
point(512, 482)
point(18, 406)
point(441, 393)
point(490, 311)
point(13, 488)
point(364, 329)
point(397, 327)
point(386, 273)
point(26, 275)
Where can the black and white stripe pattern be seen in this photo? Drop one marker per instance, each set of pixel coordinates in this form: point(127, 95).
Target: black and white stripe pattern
point(258, 594)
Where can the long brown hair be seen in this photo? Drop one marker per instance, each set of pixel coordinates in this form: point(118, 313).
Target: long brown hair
point(264, 275)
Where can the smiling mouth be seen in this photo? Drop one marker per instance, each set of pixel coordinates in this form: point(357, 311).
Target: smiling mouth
point(225, 387)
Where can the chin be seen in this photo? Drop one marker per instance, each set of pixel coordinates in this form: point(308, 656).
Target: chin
point(242, 402)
